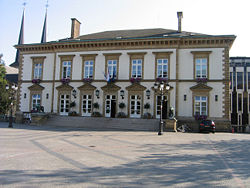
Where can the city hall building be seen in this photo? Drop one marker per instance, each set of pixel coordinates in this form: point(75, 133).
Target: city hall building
point(93, 74)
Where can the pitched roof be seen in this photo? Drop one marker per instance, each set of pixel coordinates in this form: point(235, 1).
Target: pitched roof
point(135, 33)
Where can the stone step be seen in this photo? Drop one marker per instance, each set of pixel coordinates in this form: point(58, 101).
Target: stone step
point(101, 123)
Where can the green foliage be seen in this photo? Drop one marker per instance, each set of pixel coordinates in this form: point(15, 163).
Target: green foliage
point(4, 95)
point(2, 71)
point(96, 105)
point(122, 105)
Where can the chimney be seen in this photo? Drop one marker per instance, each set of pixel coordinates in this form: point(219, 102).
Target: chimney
point(179, 16)
point(75, 28)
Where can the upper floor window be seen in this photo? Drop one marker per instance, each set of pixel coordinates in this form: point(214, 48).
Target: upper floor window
point(136, 68)
point(200, 107)
point(136, 64)
point(201, 68)
point(239, 80)
point(37, 67)
point(162, 68)
point(112, 68)
point(66, 69)
point(66, 66)
point(88, 66)
point(239, 102)
point(88, 69)
point(201, 64)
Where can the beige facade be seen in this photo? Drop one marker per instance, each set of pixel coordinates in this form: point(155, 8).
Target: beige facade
point(194, 67)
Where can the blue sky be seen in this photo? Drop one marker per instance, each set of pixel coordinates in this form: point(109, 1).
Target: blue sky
point(219, 17)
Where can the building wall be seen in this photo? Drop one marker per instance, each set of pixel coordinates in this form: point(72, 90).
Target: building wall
point(186, 77)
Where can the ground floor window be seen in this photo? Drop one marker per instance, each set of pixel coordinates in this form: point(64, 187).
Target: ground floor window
point(135, 106)
point(64, 104)
point(36, 101)
point(86, 105)
point(200, 107)
point(110, 106)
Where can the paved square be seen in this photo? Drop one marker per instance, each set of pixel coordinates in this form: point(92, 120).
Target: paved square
point(33, 156)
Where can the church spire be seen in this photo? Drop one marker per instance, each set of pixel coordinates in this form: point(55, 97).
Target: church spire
point(20, 40)
point(44, 33)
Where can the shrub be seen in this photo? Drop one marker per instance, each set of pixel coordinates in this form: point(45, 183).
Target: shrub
point(147, 115)
point(72, 113)
point(96, 114)
point(121, 115)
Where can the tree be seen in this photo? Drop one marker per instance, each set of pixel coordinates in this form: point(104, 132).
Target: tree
point(1, 60)
point(4, 95)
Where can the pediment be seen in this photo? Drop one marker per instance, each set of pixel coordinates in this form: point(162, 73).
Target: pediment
point(36, 87)
point(136, 87)
point(201, 88)
point(87, 87)
point(110, 87)
point(64, 87)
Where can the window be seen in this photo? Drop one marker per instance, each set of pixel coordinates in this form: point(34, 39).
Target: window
point(201, 67)
point(37, 67)
point(88, 66)
point(200, 107)
point(248, 77)
point(38, 71)
point(66, 69)
point(112, 68)
point(88, 69)
point(201, 64)
point(136, 68)
point(36, 101)
point(231, 80)
point(239, 80)
point(239, 102)
point(162, 68)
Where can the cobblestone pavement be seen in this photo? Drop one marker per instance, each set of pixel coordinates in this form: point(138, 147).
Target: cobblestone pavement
point(33, 156)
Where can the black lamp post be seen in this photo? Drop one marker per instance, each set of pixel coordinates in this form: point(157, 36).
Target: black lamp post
point(161, 87)
point(12, 97)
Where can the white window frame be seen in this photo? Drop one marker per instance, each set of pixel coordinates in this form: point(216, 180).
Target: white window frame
point(112, 68)
point(66, 73)
point(200, 100)
point(136, 63)
point(88, 69)
point(38, 70)
point(199, 67)
point(161, 63)
point(36, 100)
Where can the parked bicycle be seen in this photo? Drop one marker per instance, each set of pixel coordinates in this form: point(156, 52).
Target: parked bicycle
point(184, 128)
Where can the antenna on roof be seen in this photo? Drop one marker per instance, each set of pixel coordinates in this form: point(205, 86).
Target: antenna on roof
point(24, 4)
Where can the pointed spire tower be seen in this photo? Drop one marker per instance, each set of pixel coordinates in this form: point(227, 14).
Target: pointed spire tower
point(44, 33)
point(20, 40)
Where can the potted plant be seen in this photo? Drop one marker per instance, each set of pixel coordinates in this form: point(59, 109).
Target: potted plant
point(65, 80)
point(147, 106)
point(87, 80)
point(96, 105)
point(72, 104)
point(135, 80)
point(36, 81)
point(122, 105)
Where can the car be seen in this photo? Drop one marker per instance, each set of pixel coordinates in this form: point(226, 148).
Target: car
point(207, 125)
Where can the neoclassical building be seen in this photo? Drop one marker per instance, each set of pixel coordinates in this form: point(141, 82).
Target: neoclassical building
point(113, 67)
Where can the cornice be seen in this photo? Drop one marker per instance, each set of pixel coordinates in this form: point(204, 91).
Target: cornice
point(178, 42)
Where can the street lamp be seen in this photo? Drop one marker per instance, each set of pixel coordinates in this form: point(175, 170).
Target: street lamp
point(12, 92)
point(161, 87)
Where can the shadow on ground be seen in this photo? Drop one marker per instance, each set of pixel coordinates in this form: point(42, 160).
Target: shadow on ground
point(155, 170)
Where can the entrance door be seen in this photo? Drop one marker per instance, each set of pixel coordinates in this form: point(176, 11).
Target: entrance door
point(135, 106)
point(86, 105)
point(64, 104)
point(164, 107)
point(110, 106)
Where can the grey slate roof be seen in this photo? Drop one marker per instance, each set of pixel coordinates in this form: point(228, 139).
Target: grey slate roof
point(135, 33)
